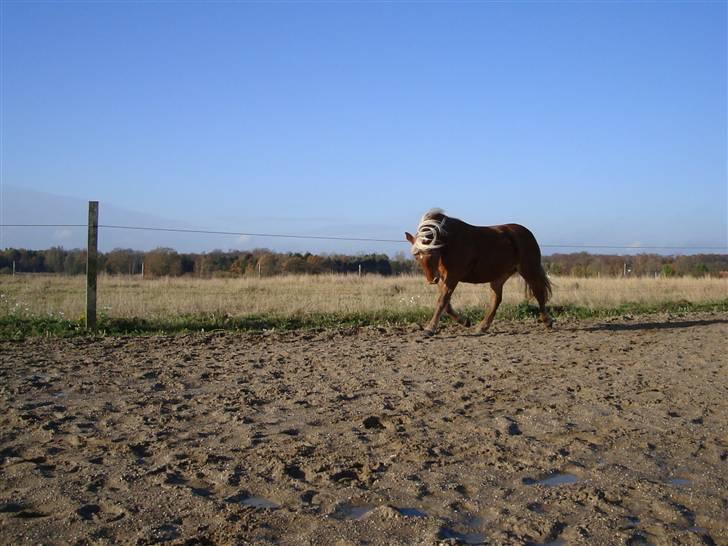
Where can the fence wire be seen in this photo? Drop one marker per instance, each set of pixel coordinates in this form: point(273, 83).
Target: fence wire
point(353, 239)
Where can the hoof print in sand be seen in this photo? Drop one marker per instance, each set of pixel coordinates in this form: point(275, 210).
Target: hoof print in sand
point(89, 511)
point(552, 480)
point(20, 511)
point(345, 476)
point(140, 450)
point(246, 499)
point(295, 472)
point(373, 423)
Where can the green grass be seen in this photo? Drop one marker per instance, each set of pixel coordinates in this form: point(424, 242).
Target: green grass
point(17, 327)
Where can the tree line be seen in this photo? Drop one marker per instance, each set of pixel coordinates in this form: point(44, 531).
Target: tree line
point(262, 262)
point(168, 262)
point(583, 264)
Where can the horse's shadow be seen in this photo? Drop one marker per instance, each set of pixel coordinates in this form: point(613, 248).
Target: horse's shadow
point(598, 327)
point(634, 326)
point(452, 332)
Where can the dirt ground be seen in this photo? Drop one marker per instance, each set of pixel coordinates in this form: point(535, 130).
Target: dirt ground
point(600, 432)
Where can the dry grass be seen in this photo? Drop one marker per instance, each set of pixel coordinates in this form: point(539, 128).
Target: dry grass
point(132, 297)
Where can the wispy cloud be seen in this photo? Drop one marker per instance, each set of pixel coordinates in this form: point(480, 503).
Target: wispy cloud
point(63, 235)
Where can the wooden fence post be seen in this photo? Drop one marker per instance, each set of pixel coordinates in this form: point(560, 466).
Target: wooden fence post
point(92, 263)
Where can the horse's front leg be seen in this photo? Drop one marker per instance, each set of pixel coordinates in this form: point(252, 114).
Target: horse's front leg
point(443, 302)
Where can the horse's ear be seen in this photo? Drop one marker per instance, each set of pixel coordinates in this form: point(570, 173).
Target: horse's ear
point(409, 237)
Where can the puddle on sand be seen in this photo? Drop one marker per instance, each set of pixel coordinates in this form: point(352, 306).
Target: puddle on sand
point(552, 480)
point(259, 502)
point(255, 502)
point(355, 512)
point(680, 482)
point(351, 511)
point(471, 526)
point(411, 512)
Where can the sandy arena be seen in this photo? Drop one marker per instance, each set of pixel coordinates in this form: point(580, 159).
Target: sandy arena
point(600, 432)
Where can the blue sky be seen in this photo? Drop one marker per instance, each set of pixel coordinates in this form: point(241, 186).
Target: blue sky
point(589, 122)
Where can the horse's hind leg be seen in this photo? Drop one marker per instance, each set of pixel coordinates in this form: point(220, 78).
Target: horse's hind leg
point(495, 300)
point(465, 321)
point(543, 314)
point(540, 292)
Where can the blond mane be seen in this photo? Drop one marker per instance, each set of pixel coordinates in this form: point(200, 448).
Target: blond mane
point(430, 231)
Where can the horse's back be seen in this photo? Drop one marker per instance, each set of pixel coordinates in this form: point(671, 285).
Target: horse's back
point(493, 251)
point(504, 235)
point(478, 254)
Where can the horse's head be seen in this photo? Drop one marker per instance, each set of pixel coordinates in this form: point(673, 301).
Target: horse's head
point(428, 242)
point(429, 260)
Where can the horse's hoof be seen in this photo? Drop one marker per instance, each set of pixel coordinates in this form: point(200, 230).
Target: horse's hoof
point(428, 333)
point(467, 323)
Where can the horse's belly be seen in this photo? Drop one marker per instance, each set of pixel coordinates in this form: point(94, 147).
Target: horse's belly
point(479, 279)
point(484, 271)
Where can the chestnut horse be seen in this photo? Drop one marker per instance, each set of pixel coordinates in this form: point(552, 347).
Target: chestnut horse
point(451, 251)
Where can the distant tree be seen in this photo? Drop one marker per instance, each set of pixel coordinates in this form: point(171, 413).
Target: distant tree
point(267, 264)
point(162, 262)
point(217, 260)
point(75, 263)
point(240, 265)
point(402, 264)
point(294, 264)
point(700, 270)
point(594, 267)
point(187, 262)
point(33, 261)
point(553, 267)
point(54, 258)
point(316, 264)
point(646, 264)
point(120, 261)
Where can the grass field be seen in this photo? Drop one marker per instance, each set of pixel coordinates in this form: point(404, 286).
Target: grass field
point(37, 304)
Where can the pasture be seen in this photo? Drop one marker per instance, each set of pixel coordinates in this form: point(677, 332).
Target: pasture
point(57, 302)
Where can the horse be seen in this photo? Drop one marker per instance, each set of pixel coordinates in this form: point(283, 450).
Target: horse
point(451, 251)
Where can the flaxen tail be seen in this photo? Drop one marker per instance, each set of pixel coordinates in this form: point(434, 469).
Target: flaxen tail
point(539, 285)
